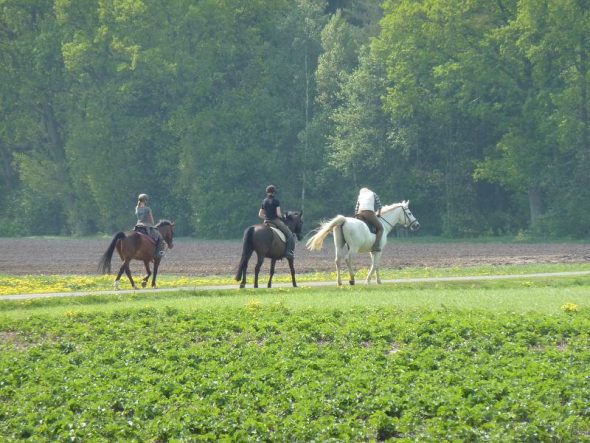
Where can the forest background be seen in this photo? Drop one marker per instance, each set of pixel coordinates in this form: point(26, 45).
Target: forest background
point(475, 110)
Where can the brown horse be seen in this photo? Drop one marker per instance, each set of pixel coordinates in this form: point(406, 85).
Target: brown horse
point(132, 245)
point(267, 244)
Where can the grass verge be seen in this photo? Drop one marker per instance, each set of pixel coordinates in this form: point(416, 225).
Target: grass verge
point(33, 284)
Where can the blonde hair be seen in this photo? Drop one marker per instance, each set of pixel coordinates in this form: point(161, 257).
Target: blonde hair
point(141, 199)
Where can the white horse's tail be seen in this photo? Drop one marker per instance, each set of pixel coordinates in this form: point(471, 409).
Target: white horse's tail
point(315, 243)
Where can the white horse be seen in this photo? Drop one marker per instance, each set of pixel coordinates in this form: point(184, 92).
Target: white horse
point(352, 235)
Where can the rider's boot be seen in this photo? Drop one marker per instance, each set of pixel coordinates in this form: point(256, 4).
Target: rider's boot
point(159, 252)
point(377, 245)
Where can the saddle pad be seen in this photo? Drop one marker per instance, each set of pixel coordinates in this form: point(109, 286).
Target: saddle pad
point(279, 234)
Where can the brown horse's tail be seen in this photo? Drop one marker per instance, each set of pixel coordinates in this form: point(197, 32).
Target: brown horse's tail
point(247, 250)
point(104, 266)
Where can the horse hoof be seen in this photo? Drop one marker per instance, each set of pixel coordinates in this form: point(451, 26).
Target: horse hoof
point(143, 284)
point(242, 286)
point(351, 282)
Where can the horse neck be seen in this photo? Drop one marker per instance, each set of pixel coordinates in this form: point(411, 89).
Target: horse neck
point(392, 218)
point(291, 224)
point(164, 233)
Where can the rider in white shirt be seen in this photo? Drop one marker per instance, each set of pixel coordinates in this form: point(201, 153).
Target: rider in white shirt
point(368, 209)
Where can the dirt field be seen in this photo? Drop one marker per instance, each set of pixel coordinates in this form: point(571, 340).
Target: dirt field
point(203, 257)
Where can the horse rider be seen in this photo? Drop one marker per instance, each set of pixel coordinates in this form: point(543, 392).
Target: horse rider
point(145, 219)
point(270, 212)
point(368, 209)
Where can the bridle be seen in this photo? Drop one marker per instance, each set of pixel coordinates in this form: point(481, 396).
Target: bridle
point(408, 223)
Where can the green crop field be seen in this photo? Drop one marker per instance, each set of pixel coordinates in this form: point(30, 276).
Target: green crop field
point(480, 361)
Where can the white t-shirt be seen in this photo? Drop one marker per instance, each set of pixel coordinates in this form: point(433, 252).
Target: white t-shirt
point(366, 200)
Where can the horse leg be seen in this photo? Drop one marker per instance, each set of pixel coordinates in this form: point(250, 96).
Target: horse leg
point(147, 273)
point(156, 267)
point(374, 257)
point(292, 268)
point(376, 265)
point(118, 278)
point(243, 282)
point(128, 273)
point(260, 259)
point(348, 260)
point(338, 262)
point(273, 262)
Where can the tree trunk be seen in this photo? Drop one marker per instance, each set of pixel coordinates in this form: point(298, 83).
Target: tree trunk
point(535, 205)
point(58, 154)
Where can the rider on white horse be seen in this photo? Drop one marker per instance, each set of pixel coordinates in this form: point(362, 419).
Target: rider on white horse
point(368, 209)
point(352, 236)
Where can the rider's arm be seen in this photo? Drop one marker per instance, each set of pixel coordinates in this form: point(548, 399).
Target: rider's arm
point(378, 205)
point(151, 218)
point(262, 213)
point(279, 213)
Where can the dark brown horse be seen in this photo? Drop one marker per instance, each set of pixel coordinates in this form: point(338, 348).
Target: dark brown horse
point(133, 245)
point(267, 244)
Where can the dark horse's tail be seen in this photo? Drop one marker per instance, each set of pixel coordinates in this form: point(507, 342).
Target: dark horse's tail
point(104, 266)
point(247, 250)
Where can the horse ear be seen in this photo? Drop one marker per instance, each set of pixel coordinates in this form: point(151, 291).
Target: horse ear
point(172, 223)
point(301, 214)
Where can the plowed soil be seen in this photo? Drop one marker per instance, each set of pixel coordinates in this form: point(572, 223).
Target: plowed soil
point(56, 256)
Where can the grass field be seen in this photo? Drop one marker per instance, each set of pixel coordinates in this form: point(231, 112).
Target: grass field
point(472, 361)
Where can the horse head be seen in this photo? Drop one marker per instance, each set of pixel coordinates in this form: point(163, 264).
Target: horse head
point(294, 221)
point(409, 220)
point(166, 228)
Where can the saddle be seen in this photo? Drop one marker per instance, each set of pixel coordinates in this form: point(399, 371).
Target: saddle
point(144, 230)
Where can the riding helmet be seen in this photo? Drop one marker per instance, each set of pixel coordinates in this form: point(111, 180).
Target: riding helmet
point(271, 189)
point(143, 197)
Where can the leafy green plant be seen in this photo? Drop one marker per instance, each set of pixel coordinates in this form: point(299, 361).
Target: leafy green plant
point(270, 367)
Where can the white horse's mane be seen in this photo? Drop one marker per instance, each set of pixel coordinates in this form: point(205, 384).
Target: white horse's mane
point(391, 207)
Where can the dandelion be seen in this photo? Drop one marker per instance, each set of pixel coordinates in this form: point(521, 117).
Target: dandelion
point(570, 307)
point(254, 305)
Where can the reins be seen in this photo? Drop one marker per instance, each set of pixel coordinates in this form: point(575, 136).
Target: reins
point(385, 220)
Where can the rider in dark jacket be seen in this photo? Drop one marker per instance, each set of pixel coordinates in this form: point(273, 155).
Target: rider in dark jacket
point(270, 212)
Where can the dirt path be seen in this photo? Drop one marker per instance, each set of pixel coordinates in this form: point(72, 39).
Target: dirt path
point(204, 257)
